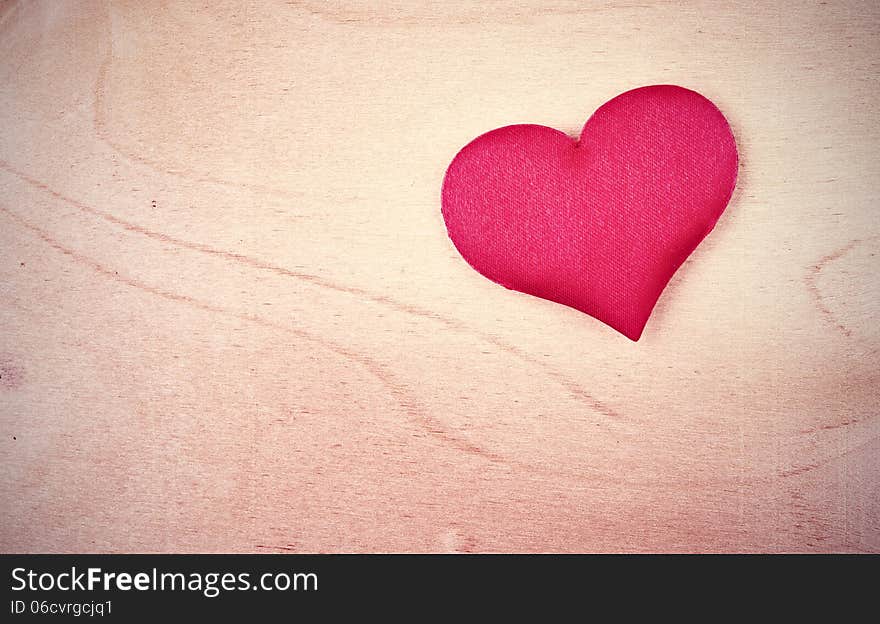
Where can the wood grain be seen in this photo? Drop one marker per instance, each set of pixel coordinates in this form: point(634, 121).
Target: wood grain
point(232, 320)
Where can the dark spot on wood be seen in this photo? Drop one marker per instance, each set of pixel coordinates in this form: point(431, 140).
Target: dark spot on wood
point(11, 375)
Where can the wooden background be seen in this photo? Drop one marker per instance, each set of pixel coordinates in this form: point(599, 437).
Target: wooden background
point(231, 320)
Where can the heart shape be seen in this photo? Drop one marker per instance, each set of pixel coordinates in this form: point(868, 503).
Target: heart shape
point(602, 223)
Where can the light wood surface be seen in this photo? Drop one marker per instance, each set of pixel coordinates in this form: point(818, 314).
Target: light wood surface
point(231, 319)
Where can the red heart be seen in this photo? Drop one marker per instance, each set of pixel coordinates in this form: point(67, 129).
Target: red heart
point(600, 224)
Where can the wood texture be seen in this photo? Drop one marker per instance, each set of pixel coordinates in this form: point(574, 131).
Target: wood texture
point(232, 320)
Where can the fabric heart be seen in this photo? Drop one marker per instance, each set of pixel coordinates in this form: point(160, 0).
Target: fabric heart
point(602, 223)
